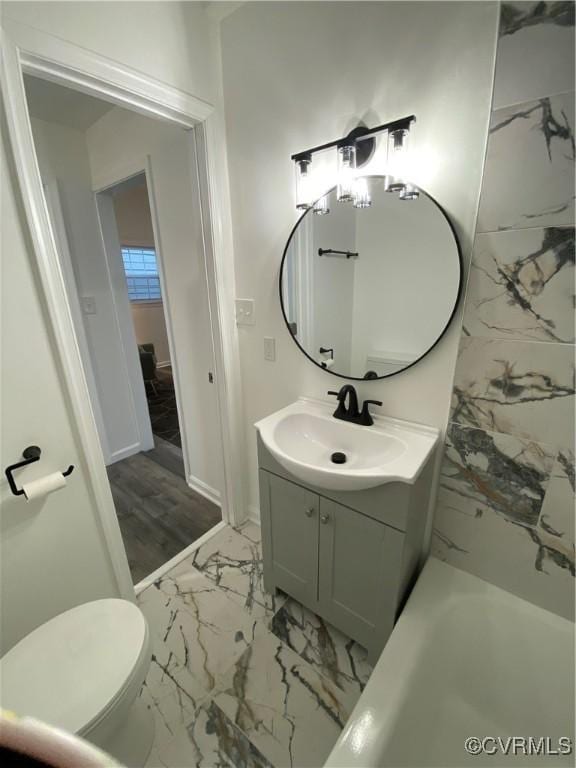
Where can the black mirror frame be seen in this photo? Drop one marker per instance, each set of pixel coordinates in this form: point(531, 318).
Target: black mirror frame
point(446, 326)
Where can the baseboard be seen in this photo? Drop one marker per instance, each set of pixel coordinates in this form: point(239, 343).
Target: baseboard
point(204, 490)
point(254, 514)
point(165, 364)
point(124, 453)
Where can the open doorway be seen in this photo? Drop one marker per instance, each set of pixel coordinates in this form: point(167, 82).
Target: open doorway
point(140, 261)
point(121, 200)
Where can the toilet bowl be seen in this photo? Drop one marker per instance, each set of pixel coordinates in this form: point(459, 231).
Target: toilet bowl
point(82, 671)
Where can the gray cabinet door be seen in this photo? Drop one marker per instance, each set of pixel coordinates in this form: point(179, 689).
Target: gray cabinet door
point(360, 567)
point(290, 538)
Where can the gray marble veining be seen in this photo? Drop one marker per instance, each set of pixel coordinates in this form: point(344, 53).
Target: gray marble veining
point(505, 512)
point(535, 51)
point(188, 733)
point(521, 285)
point(198, 624)
point(505, 508)
point(290, 712)
point(328, 650)
point(233, 562)
point(529, 170)
point(223, 689)
point(515, 387)
point(514, 556)
point(558, 517)
point(488, 471)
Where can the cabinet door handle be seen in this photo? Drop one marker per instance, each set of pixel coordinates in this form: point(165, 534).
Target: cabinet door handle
point(324, 518)
point(310, 511)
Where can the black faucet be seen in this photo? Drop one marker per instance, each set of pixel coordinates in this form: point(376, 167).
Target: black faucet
point(352, 413)
point(346, 414)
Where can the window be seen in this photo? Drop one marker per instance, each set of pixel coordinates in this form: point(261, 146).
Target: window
point(141, 271)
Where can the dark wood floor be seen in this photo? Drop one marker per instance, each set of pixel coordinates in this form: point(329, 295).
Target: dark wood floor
point(159, 514)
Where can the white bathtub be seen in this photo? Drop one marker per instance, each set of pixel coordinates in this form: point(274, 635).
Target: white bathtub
point(466, 659)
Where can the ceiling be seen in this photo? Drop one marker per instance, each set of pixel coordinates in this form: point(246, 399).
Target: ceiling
point(57, 104)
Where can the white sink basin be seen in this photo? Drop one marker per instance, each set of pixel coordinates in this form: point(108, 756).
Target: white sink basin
point(303, 437)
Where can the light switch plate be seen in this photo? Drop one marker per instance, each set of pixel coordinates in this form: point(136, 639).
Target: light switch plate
point(88, 305)
point(244, 311)
point(269, 348)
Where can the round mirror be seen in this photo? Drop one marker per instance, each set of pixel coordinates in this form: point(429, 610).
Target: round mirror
point(366, 292)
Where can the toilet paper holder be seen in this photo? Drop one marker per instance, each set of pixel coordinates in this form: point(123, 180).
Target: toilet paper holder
point(31, 455)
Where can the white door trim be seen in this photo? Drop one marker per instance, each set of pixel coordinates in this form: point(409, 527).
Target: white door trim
point(167, 308)
point(26, 49)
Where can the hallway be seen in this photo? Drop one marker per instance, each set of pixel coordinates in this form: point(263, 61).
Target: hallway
point(159, 514)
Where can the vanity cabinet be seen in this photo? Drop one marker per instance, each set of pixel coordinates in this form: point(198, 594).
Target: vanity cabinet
point(346, 563)
point(292, 538)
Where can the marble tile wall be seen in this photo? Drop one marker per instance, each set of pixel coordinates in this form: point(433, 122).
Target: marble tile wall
point(506, 508)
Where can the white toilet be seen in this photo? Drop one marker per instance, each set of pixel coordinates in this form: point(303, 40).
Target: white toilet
point(82, 671)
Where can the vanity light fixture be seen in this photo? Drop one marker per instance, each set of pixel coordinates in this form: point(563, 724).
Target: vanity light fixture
point(303, 186)
point(397, 152)
point(321, 206)
point(346, 173)
point(362, 197)
point(353, 152)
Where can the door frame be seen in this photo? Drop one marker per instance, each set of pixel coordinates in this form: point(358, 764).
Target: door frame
point(125, 332)
point(27, 50)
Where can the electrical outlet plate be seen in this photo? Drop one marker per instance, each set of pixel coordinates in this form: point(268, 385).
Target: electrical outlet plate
point(244, 311)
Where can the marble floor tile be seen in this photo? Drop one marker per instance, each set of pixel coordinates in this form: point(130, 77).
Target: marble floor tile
point(535, 51)
point(169, 690)
point(521, 285)
point(196, 622)
point(232, 560)
point(529, 170)
point(484, 471)
point(207, 740)
point(290, 712)
point(515, 557)
point(324, 647)
point(516, 387)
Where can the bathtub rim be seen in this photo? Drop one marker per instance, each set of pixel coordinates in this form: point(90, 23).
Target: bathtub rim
point(438, 589)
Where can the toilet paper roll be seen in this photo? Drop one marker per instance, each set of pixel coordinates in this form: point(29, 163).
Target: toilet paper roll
point(36, 489)
point(328, 363)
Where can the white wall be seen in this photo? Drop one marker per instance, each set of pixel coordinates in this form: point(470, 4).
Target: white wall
point(299, 74)
point(120, 144)
point(134, 222)
point(133, 216)
point(169, 41)
point(406, 278)
point(53, 554)
point(62, 155)
point(150, 328)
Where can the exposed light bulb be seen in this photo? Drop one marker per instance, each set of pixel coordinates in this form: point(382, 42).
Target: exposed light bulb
point(362, 197)
point(396, 160)
point(321, 206)
point(303, 184)
point(346, 173)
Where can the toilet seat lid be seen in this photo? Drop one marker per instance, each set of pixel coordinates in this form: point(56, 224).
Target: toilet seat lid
point(68, 671)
